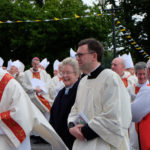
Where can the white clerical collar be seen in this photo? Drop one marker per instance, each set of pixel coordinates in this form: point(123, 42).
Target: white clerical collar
point(67, 89)
point(89, 74)
point(140, 85)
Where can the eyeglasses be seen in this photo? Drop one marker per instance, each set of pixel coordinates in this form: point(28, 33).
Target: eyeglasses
point(81, 54)
point(66, 73)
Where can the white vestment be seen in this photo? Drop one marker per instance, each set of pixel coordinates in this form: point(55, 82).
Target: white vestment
point(141, 106)
point(130, 79)
point(135, 79)
point(20, 77)
point(132, 89)
point(133, 133)
point(44, 77)
point(19, 116)
point(106, 104)
point(58, 85)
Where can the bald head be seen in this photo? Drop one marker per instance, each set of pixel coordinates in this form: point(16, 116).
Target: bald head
point(118, 66)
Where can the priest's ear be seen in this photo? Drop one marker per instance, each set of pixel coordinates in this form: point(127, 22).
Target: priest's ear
point(95, 56)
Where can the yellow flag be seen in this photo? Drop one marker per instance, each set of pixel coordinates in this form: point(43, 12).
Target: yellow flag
point(133, 43)
point(122, 30)
point(19, 21)
point(56, 19)
point(118, 22)
point(138, 48)
point(76, 16)
point(37, 20)
point(99, 14)
point(128, 37)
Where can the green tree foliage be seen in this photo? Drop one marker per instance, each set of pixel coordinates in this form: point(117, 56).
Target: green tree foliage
point(139, 30)
point(52, 40)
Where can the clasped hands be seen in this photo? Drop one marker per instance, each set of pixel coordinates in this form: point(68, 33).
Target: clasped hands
point(76, 132)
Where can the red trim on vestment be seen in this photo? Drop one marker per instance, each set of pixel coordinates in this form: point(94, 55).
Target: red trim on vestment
point(6, 78)
point(36, 75)
point(136, 92)
point(125, 82)
point(144, 132)
point(137, 89)
point(60, 79)
point(13, 126)
point(5, 116)
point(45, 102)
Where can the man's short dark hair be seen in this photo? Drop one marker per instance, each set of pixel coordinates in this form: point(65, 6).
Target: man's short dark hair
point(94, 46)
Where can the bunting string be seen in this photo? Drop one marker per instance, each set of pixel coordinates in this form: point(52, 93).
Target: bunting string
point(127, 36)
point(49, 20)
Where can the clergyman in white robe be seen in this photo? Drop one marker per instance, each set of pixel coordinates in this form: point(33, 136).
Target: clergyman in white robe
point(105, 102)
point(42, 101)
point(19, 116)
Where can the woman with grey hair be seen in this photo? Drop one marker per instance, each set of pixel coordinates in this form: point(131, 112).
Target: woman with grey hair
point(65, 100)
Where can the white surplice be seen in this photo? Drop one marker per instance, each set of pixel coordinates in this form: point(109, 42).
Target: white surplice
point(58, 85)
point(130, 79)
point(141, 106)
point(19, 116)
point(44, 77)
point(106, 104)
point(19, 77)
point(133, 130)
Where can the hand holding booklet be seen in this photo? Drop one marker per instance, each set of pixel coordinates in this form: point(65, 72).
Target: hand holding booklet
point(38, 83)
point(81, 119)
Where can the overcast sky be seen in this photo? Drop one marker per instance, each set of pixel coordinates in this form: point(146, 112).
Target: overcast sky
point(89, 2)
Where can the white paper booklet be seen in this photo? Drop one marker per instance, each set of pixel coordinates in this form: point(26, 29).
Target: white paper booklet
point(38, 83)
point(81, 119)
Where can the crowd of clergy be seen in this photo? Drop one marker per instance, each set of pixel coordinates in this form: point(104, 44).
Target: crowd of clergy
point(47, 106)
